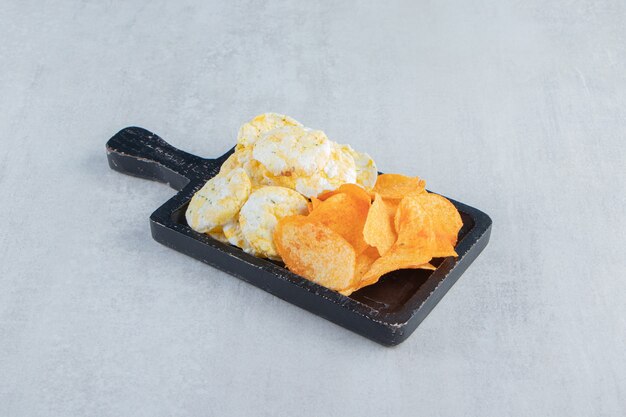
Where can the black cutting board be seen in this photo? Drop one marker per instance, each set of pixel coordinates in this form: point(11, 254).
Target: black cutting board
point(386, 312)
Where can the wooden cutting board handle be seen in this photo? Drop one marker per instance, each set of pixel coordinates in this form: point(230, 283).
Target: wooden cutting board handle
point(138, 152)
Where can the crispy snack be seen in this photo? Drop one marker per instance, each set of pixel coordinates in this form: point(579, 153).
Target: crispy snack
point(234, 236)
point(345, 214)
point(293, 151)
point(258, 174)
point(277, 150)
point(251, 131)
point(411, 218)
point(379, 230)
point(316, 252)
point(315, 202)
point(413, 247)
point(427, 226)
point(392, 206)
point(365, 260)
point(218, 201)
point(339, 169)
point(446, 220)
point(413, 255)
point(219, 235)
point(351, 189)
point(357, 226)
point(260, 214)
point(366, 171)
point(396, 186)
point(408, 233)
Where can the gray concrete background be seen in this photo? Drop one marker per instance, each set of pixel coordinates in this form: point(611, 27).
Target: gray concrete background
point(517, 108)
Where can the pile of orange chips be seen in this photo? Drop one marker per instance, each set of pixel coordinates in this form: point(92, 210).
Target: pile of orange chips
point(352, 237)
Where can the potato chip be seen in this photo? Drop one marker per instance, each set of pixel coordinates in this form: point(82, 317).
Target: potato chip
point(379, 230)
point(414, 245)
point(365, 260)
point(316, 252)
point(392, 206)
point(443, 248)
point(339, 243)
point(363, 263)
point(413, 255)
point(446, 220)
point(314, 203)
point(396, 186)
point(345, 214)
point(352, 189)
point(411, 217)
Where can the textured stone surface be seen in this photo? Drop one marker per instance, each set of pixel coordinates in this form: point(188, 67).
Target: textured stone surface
point(516, 108)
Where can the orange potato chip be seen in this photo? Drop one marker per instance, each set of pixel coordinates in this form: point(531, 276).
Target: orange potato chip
point(316, 252)
point(400, 256)
point(444, 218)
point(392, 205)
point(396, 186)
point(351, 189)
point(345, 214)
point(414, 246)
point(379, 230)
point(428, 266)
point(363, 263)
point(443, 248)
point(365, 260)
point(314, 203)
point(340, 243)
point(411, 219)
